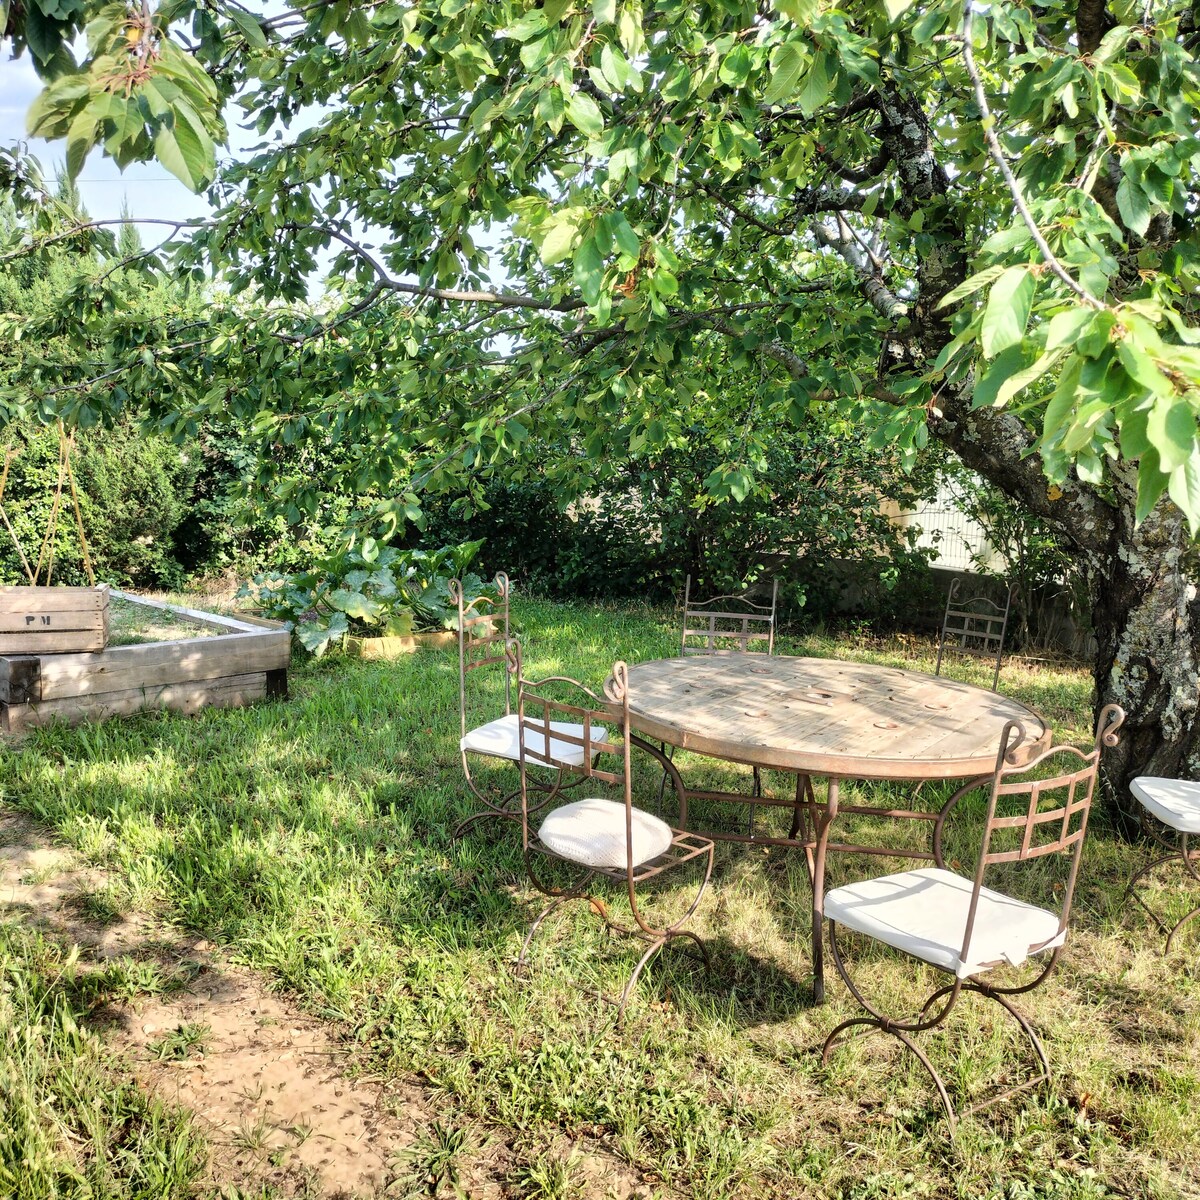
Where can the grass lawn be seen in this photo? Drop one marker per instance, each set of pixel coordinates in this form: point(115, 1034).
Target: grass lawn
point(311, 840)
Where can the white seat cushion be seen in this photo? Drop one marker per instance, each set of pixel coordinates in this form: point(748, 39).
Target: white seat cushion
point(924, 913)
point(1175, 802)
point(499, 739)
point(592, 833)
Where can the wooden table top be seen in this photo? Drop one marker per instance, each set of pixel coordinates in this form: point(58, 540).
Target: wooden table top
point(825, 716)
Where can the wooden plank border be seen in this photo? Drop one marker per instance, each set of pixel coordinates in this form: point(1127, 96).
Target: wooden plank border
point(242, 663)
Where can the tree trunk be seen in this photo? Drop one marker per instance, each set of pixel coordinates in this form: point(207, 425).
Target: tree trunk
point(1146, 619)
point(1145, 608)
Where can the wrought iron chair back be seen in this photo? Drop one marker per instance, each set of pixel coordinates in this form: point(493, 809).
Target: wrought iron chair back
point(727, 624)
point(483, 635)
point(547, 738)
point(1055, 791)
point(975, 625)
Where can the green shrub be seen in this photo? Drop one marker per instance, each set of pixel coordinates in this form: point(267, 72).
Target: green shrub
point(134, 490)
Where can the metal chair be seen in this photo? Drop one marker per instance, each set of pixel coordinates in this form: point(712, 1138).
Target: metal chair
point(975, 625)
point(727, 624)
point(600, 836)
point(1173, 804)
point(483, 639)
point(963, 928)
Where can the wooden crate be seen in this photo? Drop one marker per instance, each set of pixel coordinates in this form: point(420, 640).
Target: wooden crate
point(53, 620)
point(241, 664)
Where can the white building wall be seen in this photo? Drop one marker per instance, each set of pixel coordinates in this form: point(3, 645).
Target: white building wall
point(957, 542)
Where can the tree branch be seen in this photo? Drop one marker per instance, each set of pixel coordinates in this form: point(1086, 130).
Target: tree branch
point(1092, 22)
point(1010, 180)
point(385, 282)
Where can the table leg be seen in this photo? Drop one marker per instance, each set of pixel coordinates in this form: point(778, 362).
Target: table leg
point(816, 869)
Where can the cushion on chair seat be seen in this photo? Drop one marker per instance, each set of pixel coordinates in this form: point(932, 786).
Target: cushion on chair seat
point(499, 739)
point(1175, 802)
point(592, 833)
point(924, 913)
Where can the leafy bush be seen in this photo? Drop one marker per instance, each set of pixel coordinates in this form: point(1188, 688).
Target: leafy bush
point(134, 492)
point(812, 504)
point(369, 589)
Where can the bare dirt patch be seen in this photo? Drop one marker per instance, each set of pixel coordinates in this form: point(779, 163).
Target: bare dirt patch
point(271, 1086)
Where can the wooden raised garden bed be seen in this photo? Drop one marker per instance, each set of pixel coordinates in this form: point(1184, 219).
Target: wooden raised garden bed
point(205, 661)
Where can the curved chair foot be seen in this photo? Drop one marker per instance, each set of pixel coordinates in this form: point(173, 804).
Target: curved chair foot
point(651, 951)
point(834, 1037)
point(871, 1024)
point(556, 903)
point(655, 946)
point(460, 830)
point(1178, 926)
point(923, 1059)
point(1131, 894)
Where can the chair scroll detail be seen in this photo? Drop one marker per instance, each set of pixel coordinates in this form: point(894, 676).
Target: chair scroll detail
point(566, 726)
point(1173, 806)
point(965, 929)
point(976, 625)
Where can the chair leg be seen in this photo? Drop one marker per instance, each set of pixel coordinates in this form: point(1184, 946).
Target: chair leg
point(926, 1019)
point(460, 830)
point(509, 808)
point(1178, 926)
point(655, 946)
point(558, 899)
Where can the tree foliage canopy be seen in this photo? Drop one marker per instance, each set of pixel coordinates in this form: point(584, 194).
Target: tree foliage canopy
point(585, 209)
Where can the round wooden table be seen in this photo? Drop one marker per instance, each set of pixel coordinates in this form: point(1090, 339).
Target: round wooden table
point(823, 717)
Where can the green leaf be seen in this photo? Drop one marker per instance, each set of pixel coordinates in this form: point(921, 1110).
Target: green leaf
point(180, 151)
point(799, 11)
point(1171, 428)
point(584, 113)
point(251, 29)
point(614, 66)
point(1019, 381)
point(527, 27)
point(969, 287)
point(787, 61)
point(1152, 482)
point(895, 9)
point(550, 109)
point(558, 242)
point(1141, 367)
point(81, 136)
point(625, 238)
point(1007, 311)
point(589, 270)
point(814, 90)
point(127, 125)
point(1135, 438)
point(1066, 326)
point(1003, 367)
point(1184, 489)
point(930, 24)
point(1133, 206)
point(604, 12)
